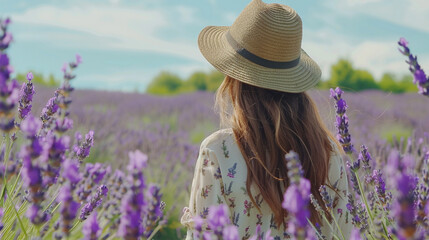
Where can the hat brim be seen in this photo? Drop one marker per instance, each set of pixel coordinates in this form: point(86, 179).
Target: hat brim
point(216, 49)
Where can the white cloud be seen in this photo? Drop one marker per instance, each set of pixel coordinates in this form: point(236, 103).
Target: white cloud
point(117, 27)
point(325, 47)
point(410, 13)
point(212, 2)
point(376, 56)
point(186, 14)
point(379, 57)
point(230, 17)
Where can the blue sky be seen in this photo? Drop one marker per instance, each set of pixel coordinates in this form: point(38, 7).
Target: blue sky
point(125, 43)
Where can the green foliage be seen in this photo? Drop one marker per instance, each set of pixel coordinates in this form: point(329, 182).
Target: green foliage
point(390, 83)
point(170, 84)
point(343, 75)
point(198, 81)
point(165, 84)
point(214, 79)
point(39, 79)
point(346, 77)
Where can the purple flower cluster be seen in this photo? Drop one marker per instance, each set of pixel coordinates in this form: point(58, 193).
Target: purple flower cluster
point(420, 77)
point(94, 202)
point(91, 229)
point(56, 147)
point(94, 174)
point(82, 148)
point(26, 97)
point(155, 209)
point(405, 211)
point(52, 176)
point(134, 205)
point(9, 89)
point(217, 225)
point(69, 208)
point(6, 37)
point(342, 120)
point(31, 170)
point(296, 200)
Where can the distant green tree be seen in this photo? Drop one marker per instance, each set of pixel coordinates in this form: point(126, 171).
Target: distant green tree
point(165, 83)
point(345, 76)
point(198, 80)
point(389, 83)
point(407, 84)
point(363, 80)
point(214, 80)
point(39, 79)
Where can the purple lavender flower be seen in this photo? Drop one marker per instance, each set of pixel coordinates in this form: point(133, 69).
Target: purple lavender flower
point(96, 171)
point(91, 229)
point(36, 214)
point(133, 204)
point(9, 89)
point(138, 160)
point(296, 199)
point(31, 172)
point(380, 186)
point(403, 42)
point(342, 121)
point(56, 148)
point(365, 157)
point(295, 171)
point(78, 59)
point(420, 78)
point(326, 197)
point(26, 97)
point(63, 125)
point(69, 208)
point(5, 37)
point(76, 64)
point(31, 126)
point(218, 218)
point(84, 149)
point(355, 235)
point(93, 203)
point(154, 211)
point(50, 109)
point(405, 212)
point(230, 233)
point(71, 171)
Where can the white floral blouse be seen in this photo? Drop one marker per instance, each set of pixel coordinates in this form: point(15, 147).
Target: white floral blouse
point(220, 178)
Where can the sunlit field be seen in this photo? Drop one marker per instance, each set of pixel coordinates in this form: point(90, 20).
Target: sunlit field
point(83, 155)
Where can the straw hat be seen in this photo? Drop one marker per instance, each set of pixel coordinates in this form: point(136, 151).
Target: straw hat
point(262, 48)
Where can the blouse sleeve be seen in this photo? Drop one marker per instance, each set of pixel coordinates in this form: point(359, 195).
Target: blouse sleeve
point(338, 180)
point(207, 189)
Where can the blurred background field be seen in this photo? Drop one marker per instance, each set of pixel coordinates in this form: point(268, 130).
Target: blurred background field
point(144, 85)
point(170, 129)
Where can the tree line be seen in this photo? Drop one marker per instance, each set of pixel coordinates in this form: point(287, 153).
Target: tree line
point(343, 74)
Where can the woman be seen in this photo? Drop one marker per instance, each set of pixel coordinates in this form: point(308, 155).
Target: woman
point(263, 101)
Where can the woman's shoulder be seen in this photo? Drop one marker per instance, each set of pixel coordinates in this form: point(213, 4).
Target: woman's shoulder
point(218, 139)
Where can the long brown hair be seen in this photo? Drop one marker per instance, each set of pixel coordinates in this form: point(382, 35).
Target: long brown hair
point(267, 124)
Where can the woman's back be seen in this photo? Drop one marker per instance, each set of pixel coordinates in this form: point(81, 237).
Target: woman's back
point(263, 100)
point(220, 178)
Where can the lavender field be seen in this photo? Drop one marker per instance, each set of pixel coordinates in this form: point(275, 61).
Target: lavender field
point(170, 129)
point(86, 164)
